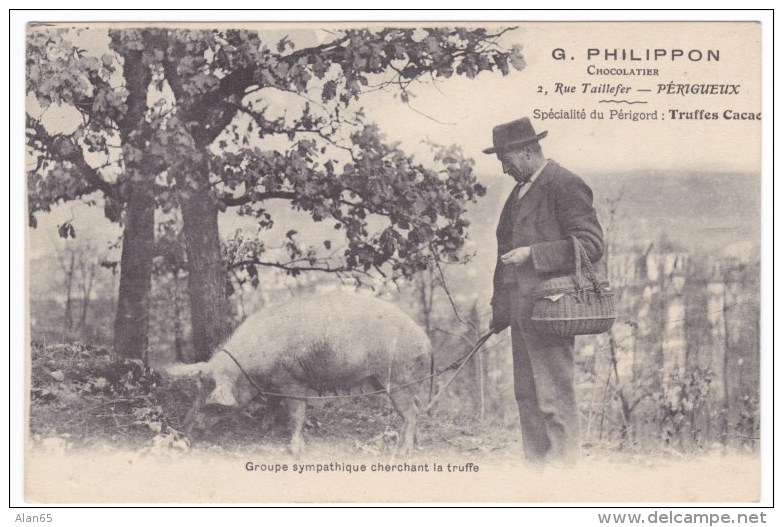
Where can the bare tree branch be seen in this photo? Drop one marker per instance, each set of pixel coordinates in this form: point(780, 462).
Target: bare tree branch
point(261, 121)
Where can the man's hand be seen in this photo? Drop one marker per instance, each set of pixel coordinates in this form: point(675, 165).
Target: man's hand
point(499, 322)
point(517, 256)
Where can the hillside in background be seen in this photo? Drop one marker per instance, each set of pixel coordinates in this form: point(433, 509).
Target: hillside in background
point(701, 211)
point(698, 210)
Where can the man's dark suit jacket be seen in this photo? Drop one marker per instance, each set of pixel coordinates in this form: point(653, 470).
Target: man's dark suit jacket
point(557, 205)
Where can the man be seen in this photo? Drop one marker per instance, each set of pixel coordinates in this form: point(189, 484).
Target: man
point(548, 205)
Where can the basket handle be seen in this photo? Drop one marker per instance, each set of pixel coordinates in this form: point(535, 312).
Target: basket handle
point(578, 265)
point(580, 256)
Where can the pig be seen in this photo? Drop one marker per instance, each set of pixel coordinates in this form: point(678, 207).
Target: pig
point(315, 345)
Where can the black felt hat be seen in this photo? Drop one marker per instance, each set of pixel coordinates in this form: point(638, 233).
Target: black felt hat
point(513, 134)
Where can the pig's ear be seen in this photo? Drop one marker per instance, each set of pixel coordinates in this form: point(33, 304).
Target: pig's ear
point(222, 395)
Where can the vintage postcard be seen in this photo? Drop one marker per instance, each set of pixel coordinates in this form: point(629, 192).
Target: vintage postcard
point(393, 262)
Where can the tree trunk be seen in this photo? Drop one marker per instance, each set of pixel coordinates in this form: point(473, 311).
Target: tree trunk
point(86, 288)
point(88, 276)
point(426, 285)
point(726, 364)
point(68, 323)
point(482, 398)
point(138, 239)
point(210, 311)
point(138, 243)
point(179, 340)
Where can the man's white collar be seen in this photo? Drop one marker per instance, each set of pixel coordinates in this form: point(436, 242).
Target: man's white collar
point(538, 172)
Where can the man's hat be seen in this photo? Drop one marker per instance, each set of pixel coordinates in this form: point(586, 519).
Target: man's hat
point(513, 134)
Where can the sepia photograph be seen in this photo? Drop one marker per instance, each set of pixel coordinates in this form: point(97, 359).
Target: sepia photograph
point(393, 262)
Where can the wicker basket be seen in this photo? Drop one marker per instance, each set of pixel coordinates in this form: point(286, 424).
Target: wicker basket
point(580, 304)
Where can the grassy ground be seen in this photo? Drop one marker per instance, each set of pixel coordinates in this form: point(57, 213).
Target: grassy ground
point(84, 398)
point(98, 423)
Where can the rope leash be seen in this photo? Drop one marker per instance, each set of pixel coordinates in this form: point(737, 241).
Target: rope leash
point(459, 364)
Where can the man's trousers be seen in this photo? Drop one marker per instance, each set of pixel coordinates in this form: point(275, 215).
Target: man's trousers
point(544, 388)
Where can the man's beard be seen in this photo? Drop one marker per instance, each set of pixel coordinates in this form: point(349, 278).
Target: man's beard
point(521, 175)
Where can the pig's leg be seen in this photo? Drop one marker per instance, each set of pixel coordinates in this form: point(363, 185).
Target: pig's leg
point(404, 402)
point(296, 414)
point(268, 422)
